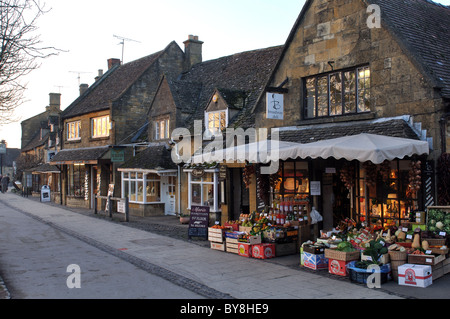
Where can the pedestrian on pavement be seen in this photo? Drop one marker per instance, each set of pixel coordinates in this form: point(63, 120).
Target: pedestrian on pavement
point(5, 182)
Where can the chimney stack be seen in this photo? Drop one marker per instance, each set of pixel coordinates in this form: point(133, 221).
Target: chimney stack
point(83, 88)
point(192, 51)
point(112, 63)
point(55, 103)
point(100, 74)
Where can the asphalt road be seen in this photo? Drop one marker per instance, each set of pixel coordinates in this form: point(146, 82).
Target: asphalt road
point(38, 261)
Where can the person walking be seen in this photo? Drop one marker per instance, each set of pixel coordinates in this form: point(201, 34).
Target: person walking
point(5, 182)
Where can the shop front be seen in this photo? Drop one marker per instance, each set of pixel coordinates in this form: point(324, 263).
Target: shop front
point(85, 173)
point(150, 181)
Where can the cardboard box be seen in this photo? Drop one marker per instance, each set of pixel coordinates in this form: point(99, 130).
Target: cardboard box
point(315, 262)
point(263, 251)
point(384, 259)
point(338, 267)
point(245, 250)
point(252, 240)
point(217, 246)
point(414, 275)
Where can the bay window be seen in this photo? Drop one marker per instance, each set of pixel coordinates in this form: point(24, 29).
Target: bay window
point(141, 187)
point(203, 190)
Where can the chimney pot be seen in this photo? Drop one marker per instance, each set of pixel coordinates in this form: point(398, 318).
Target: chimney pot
point(192, 51)
point(55, 102)
point(83, 88)
point(113, 62)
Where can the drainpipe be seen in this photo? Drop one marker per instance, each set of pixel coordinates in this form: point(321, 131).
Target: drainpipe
point(179, 189)
point(443, 124)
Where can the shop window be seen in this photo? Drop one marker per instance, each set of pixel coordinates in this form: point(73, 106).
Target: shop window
point(73, 130)
point(141, 188)
point(293, 183)
point(204, 190)
point(100, 126)
point(337, 93)
point(383, 195)
point(76, 182)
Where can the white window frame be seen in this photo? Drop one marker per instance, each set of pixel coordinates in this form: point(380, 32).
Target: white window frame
point(215, 207)
point(214, 129)
point(127, 180)
point(103, 121)
point(162, 129)
point(73, 130)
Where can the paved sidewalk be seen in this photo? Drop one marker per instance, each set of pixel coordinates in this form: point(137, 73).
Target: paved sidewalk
point(192, 263)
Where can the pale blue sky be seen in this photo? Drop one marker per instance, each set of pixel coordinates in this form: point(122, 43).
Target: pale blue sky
point(85, 28)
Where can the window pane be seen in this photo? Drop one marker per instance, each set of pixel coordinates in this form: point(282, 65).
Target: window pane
point(196, 196)
point(133, 191)
point(208, 195)
point(364, 89)
point(140, 192)
point(310, 104)
point(322, 96)
point(350, 96)
point(223, 119)
point(335, 94)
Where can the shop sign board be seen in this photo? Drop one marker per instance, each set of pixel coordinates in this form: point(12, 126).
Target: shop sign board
point(275, 106)
point(117, 155)
point(199, 222)
point(315, 188)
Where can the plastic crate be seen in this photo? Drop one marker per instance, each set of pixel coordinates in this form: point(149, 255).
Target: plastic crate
point(360, 275)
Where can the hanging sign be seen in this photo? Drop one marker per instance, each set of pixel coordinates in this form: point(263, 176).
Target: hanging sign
point(275, 106)
point(199, 222)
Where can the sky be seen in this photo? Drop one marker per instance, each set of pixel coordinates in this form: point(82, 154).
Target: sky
point(85, 30)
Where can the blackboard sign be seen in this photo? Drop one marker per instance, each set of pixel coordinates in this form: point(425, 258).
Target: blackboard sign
point(199, 222)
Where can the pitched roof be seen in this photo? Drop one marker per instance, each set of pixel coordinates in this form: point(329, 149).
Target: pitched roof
point(422, 26)
point(111, 86)
point(79, 154)
point(153, 157)
point(242, 72)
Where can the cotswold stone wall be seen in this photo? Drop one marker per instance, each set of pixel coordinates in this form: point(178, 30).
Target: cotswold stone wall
point(337, 31)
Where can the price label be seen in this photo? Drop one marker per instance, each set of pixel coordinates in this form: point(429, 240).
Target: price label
point(409, 236)
point(442, 233)
point(404, 229)
point(428, 252)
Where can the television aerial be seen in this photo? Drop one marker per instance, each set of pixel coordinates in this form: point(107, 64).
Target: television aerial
point(122, 42)
point(79, 75)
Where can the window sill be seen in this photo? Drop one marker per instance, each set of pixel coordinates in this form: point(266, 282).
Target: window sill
point(338, 118)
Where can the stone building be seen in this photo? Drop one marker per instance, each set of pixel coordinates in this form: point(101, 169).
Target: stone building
point(362, 67)
point(98, 123)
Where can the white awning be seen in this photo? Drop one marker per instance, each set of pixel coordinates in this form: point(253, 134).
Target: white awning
point(361, 147)
point(364, 147)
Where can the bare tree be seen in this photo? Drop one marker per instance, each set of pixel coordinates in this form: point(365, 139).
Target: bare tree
point(20, 48)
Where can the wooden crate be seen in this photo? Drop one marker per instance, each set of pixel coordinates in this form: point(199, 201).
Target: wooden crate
point(341, 255)
point(425, 259)
point(217, 246)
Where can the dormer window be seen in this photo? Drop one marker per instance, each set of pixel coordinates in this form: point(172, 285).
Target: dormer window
point(337, 93)
point(216, 122)
point(162, 129)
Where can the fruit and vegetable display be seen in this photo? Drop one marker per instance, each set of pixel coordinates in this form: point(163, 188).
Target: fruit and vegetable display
point(438, 221)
